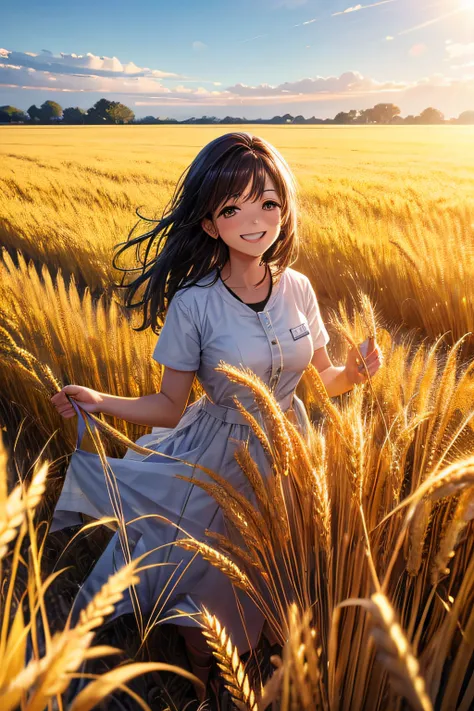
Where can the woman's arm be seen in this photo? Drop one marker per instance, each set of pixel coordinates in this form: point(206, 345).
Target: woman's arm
point(334, 377)
point(340, 379)
point(162, 409)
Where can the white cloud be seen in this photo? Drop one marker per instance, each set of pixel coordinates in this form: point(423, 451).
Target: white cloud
point(350, 83)
point(199, 45)
point(356, 8)
point(456, 51)
point(348, 9)
point(70, 73)
point(307, 22)
point(86, 64)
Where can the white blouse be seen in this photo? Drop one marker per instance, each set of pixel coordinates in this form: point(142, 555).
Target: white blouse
point(206, 324)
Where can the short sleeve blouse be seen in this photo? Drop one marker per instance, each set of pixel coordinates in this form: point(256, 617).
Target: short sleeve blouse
point(205, 325)
point(179, 343)
point(318, 330)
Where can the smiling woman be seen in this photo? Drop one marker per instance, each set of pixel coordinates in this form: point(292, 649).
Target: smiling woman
point(245, 188)
point(233, 224)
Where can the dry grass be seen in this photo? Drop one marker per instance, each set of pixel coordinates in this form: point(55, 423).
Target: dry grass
point(372, 513)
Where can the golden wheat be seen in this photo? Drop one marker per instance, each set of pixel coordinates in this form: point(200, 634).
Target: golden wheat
point(228, 567)
point(338, 506)
point(229, 663)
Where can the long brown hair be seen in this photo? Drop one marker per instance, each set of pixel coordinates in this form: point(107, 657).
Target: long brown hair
point(180, 250)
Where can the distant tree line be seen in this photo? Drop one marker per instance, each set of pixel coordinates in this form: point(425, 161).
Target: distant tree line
point(103, 111)
point(113, 112)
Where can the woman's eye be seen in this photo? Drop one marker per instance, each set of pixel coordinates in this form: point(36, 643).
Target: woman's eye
point(267, 202)
point(271, 202)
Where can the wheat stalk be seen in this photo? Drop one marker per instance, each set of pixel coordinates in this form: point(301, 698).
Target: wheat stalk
point(397, 656)
point(394, 651)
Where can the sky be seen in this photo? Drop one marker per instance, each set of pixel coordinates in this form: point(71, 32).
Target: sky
point(246, 58)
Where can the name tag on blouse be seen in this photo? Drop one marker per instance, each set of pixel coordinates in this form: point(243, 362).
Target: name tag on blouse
point(299, 331)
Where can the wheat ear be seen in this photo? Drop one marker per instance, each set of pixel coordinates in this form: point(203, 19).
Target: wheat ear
point(463, 514)
point(12, 511)
point(229, 663)
point(217, 559)
point(324, 400)
point(51, 675)
point(269, 407)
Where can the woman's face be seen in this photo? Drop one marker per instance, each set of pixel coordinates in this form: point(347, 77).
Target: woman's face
point(248, 227)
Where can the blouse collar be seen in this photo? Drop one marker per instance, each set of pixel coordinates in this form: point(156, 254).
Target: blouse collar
point(243, 308)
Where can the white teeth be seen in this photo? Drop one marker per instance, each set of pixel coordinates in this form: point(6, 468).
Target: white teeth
point(253, 237)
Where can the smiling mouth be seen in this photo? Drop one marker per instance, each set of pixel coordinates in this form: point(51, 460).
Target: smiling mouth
point(253, 237)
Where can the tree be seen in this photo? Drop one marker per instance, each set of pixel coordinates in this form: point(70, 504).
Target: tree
point(119, 113)
point(105, 111)
point(148, 119)
point(345, 117)
point(74, 115)
point(34, 113)
point(431, 115)
point(99, 112)
point(365, 116)
point(384, 113)
point(466, 117)
point(50, 110)
point(11, 113)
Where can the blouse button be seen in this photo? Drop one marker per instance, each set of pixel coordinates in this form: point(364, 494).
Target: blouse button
point(278, 370)
point(274, 342)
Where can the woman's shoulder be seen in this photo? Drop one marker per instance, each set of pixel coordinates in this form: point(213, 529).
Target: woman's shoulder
point(192, 294)
point(297, 279)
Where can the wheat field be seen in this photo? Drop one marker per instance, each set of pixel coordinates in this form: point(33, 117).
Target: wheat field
point(359, 550)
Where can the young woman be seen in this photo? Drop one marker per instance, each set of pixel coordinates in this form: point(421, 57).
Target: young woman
point(221, 277)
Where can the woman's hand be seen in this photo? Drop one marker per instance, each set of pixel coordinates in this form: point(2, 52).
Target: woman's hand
point(355, 370)
point(90, 400)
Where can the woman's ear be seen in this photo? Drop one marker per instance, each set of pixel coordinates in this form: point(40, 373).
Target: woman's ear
point(209, 227)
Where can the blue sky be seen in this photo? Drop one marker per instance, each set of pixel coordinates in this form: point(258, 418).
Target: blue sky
point(252, 58)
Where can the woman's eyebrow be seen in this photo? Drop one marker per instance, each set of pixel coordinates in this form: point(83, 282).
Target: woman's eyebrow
point(235, 195)
point(268, 190)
